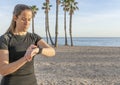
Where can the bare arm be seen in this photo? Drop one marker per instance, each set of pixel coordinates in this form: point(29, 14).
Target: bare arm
point(47, 49)
point(7, 68)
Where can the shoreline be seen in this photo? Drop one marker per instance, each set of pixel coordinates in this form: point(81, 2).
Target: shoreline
point(63, 46)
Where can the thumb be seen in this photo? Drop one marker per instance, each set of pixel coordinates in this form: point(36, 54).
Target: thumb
point(32, 46)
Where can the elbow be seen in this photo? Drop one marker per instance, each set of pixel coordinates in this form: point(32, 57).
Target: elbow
point(3, 73)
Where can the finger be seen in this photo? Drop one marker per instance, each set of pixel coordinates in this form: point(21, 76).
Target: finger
point(33, 52)
point(33, 46)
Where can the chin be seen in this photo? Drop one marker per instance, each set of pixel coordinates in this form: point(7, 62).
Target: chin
point(25, 29)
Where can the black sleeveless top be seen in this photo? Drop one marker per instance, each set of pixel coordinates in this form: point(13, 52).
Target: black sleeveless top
point(17, 46)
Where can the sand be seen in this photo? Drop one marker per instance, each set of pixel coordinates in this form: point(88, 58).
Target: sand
point(80, 65)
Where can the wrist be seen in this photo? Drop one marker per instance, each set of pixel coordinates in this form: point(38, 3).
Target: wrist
point(27, 58)
point(40, 50)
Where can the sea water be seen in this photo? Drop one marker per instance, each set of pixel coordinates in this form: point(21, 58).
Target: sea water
point(91, 41)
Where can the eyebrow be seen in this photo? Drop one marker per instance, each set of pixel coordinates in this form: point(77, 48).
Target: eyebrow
point(25, 17)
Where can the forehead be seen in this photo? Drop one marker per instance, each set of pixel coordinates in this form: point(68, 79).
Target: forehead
point(26, 13)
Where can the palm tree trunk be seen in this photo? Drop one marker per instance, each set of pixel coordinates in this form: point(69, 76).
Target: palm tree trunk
point(47, 23)
point(65, 28)
point(32, 24)
point(56, 25)
point(71, 29)
point(46, 29)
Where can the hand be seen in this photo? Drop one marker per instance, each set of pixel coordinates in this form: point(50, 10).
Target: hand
point(36, 50)
point(31, 52)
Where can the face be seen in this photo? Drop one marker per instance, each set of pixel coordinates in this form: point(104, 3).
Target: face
point(23, 20)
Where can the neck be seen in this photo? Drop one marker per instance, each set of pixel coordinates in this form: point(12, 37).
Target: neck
point(19, 32)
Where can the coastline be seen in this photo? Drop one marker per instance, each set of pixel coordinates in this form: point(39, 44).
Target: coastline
point(79, 65)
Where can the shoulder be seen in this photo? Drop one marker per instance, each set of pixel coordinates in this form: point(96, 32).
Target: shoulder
point(35, 37)
point(5, 36)
point(4, 40)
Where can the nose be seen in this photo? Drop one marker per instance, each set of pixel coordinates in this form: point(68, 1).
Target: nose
point(26, 22)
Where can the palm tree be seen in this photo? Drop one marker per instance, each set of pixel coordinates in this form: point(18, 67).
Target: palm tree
point(72, 7)
point(46, 7)
point(56, 24)
point(46, 30)
point(65, 5)
point(34, 11)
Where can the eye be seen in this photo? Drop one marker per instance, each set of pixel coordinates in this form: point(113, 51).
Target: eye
point(23, 19)
point(29, 19)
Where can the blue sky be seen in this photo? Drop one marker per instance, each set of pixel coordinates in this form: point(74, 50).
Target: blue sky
point(95, 18)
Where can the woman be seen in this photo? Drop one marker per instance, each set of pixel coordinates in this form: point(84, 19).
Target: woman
point(18, 48)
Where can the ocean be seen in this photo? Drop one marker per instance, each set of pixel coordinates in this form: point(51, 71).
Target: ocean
point(92, 41)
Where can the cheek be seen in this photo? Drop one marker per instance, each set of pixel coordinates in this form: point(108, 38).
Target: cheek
point(29, 22)
point(18, 23)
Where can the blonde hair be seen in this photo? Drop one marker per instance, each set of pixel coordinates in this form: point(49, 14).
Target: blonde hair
point(17, 11)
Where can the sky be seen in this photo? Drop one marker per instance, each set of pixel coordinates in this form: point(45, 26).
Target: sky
point(95, 18)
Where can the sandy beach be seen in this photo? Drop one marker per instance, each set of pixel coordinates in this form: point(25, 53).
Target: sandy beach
point(79, 65)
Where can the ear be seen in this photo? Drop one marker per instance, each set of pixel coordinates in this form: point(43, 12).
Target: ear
point(14, 18)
